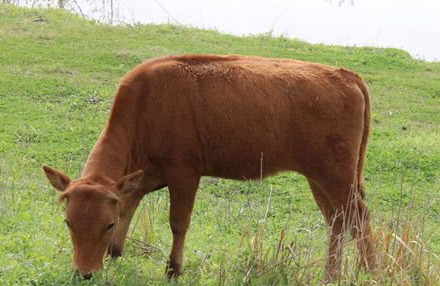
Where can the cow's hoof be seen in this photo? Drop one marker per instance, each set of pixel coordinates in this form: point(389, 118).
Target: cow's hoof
point(173, 272)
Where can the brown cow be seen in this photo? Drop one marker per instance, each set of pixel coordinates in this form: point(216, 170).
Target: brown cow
point(175, 119)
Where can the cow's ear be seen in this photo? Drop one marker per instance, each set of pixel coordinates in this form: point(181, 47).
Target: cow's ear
point(57, 179)
point(130, 182)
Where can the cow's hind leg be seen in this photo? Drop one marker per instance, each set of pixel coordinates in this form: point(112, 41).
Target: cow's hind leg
point(349, 213)
point(352, 214)
point(361, 232)
point(182, 188)
point(336, 232)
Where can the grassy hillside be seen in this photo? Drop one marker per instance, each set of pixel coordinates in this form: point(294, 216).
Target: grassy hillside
point(58, 75)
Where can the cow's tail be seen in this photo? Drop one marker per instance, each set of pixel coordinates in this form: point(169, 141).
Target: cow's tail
point(365, 134)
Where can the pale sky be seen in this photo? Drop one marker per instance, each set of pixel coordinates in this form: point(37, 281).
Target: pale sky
point(413, 25)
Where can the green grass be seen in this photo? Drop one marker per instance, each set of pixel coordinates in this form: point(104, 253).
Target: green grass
point(58, 76)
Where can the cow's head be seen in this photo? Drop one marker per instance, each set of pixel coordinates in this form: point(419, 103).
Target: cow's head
point(92, 211)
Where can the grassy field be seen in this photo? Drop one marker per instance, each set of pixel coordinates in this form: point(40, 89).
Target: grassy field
point(58, 76)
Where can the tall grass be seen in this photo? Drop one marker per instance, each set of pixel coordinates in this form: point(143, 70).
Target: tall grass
point(262, 256)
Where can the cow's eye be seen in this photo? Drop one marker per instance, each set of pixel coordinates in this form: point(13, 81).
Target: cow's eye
point(110, 226)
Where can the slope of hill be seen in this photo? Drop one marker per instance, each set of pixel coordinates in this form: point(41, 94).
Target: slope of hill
point(58, 75)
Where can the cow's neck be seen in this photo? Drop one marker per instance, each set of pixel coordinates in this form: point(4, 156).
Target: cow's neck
point(111, 157)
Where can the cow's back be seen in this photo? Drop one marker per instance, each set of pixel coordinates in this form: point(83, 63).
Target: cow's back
point(238, 117)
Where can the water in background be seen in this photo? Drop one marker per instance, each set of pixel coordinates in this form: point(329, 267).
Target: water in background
point(411, 25)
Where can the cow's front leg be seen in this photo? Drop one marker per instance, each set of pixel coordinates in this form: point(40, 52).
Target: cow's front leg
point(128, 205)
point(182, 194)
point(132, 188)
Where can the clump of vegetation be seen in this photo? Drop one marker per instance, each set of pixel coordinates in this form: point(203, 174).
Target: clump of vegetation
point(59, 74)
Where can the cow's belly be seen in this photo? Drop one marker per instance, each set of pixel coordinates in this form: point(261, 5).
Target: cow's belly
point(246, 160)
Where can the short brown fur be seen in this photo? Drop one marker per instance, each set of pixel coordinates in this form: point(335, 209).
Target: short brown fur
point(182, 117)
